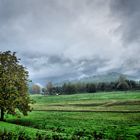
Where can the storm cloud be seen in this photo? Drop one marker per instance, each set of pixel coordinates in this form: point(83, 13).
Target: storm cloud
point(127, 13)
point(63, 40)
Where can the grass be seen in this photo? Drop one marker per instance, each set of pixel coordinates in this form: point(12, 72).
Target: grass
point(70, 122)
point(86, 97)
point(18, 128)
point(82, 125)
point(113, 101)
point(9, 131)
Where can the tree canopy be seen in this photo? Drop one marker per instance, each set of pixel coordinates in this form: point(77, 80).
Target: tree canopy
point(13, 85)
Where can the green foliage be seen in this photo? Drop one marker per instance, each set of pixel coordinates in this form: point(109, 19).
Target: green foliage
point(6, 135)
point(49, 88)
point(122, 83)
point(69, 88)
point(72, 88)
point(13, 85)
point(66, 125)
point(90, 88)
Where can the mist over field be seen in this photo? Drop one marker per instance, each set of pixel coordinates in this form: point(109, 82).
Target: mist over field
point(61, 40)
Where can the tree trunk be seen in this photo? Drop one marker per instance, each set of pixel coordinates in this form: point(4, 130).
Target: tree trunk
point(2, 114)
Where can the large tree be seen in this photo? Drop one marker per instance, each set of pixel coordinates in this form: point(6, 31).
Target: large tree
point(13, 85)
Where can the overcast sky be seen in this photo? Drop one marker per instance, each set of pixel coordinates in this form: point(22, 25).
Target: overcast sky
point(67, 39)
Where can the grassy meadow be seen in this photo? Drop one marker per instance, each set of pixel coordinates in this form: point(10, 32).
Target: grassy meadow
point(106, 115)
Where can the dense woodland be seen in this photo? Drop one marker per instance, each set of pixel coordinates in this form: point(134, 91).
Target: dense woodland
point(122, 84)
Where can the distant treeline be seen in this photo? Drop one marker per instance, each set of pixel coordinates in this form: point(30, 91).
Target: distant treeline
point(122, 84)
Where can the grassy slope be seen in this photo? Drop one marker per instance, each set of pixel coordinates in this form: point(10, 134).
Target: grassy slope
point(113, 124)
point(17, 128)
point(113, 101)
point(69, 122)
point(88, 96)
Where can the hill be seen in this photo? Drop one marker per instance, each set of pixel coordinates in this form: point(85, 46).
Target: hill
point(108, 77)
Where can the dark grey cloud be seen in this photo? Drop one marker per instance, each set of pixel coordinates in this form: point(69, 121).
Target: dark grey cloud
point(127, 13)
point(61, 40)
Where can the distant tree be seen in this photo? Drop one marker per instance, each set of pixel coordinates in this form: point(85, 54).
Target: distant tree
point(35, 89)
point(138, 85)
point(49, 88)
point(58, 90)
point(44, 91)
point(13, 85)
point(91, 87)
point(101, 86)
point(69, 88)
point(122, 83)
point(132, 84)
point(80, 87)
point(112, 86)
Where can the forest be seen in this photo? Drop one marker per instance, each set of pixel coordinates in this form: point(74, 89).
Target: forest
point(122, 84)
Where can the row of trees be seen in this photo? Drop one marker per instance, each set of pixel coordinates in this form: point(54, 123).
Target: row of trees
point(122, 84)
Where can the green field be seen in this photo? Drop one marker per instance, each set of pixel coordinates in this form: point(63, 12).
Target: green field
point(112, 115)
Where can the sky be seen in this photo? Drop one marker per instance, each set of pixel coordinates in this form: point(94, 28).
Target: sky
point(70, 39)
